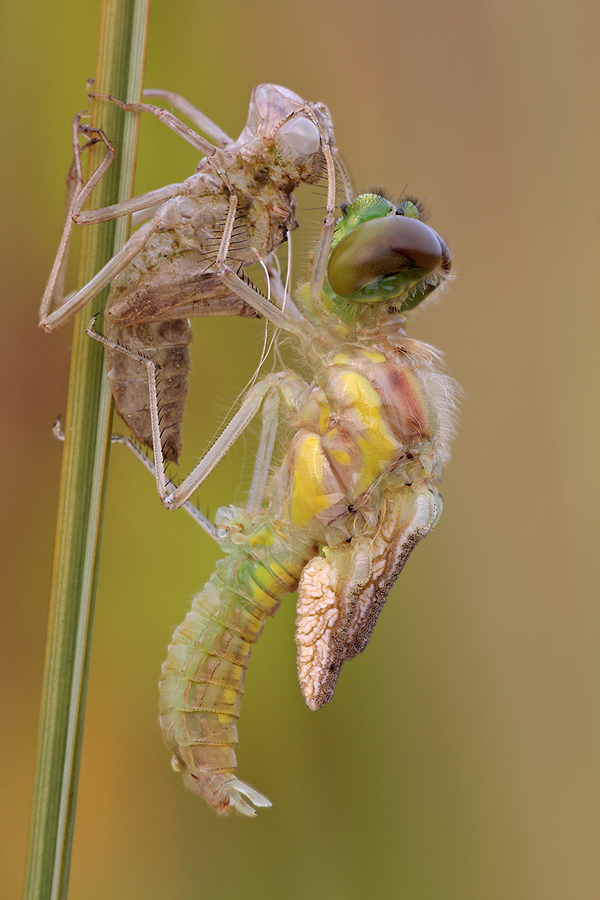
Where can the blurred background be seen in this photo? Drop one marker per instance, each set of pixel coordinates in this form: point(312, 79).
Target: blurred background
point(459, 757)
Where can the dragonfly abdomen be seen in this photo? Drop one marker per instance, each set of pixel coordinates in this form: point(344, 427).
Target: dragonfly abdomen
point(202, 679)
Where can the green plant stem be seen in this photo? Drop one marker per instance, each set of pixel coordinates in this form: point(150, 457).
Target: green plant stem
point(119, 71)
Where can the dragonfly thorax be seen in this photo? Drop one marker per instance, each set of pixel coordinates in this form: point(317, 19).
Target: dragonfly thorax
point(362, 424)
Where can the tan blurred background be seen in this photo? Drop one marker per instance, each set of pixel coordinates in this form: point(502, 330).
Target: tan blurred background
point(459, 758)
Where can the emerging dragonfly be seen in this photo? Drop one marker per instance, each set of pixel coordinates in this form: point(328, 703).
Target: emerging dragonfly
point(236, 208)
point(353, 494)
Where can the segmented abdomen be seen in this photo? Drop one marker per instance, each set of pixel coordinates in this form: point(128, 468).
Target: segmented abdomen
point(167, 345)
point(202, 679)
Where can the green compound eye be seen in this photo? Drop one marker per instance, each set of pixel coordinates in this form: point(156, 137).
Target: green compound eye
point(399, 246)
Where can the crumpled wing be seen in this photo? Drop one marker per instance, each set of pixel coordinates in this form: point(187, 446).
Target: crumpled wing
point(341, 593)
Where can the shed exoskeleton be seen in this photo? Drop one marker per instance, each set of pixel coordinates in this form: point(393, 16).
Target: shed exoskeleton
point(236, 209)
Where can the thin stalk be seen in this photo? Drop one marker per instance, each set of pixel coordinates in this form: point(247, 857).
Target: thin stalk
point(119, 71)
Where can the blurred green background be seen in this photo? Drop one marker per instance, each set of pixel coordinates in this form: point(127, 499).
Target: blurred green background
point(459, 758)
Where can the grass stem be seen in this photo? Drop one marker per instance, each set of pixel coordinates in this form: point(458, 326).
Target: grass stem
point(119, 71)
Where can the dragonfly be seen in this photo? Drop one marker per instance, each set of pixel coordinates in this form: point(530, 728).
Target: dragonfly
point(236, 208)
point(364, 432)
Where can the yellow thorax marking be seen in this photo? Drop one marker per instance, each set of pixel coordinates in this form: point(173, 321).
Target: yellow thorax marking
point(354, 399)
point(308, 495)
point(344, 359)
point(374, 439)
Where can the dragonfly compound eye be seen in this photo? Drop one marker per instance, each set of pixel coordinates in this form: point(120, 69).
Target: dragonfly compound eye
point(397, 246)
point(299, 137)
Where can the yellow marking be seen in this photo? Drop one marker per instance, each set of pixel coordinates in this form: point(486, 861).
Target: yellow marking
point(281, 572)
point(324, 418)
point(229, 697)
point(262, 538)
point(376, 443)
point(341, 456)
point(345, 359)
point(308, 494)
point(262, 577)
point(262, 592)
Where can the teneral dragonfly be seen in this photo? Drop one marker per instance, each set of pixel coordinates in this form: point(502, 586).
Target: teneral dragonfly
point(354, 492)
point(236, 209)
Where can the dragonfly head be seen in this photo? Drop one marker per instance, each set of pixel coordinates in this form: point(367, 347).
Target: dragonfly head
point(383, 252)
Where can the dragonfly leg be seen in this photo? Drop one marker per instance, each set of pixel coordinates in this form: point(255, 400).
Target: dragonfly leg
point(264, 455)
point(147, 203)
point(116, 210)
point(249, 408)
point(278, 291)
point(240, 287)
point(171, 121)
point(289, 319)
point(193, 511)
point(76, 301)
point(202, 122)
point(77, 194)
point(343, 177)
point(319, 268)
point(342, 174)
point(289, 393)
point(75, 186)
